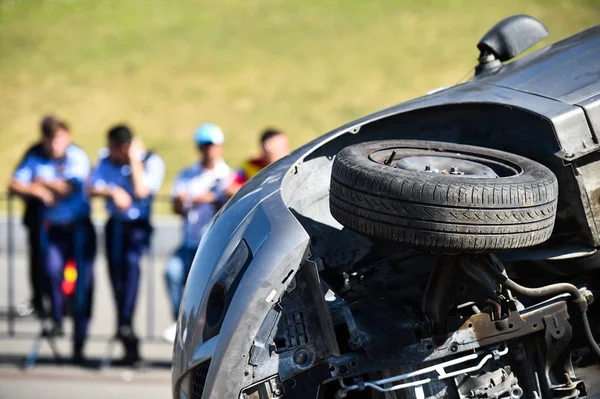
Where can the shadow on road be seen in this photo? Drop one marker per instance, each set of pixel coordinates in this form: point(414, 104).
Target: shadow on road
point(92, 363)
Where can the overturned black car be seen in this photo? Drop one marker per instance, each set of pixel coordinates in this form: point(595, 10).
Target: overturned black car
point(443, 248)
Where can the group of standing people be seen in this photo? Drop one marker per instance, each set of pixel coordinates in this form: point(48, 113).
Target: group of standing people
point(56, 180)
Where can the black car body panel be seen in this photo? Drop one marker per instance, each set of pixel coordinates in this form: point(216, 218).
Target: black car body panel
point(545, 106)
point(567, 71)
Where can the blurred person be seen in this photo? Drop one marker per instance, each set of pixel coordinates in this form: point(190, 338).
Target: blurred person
point(54, 173)
point(32, 220)
point(274, 145)
point(197, 193)
point(128, 178)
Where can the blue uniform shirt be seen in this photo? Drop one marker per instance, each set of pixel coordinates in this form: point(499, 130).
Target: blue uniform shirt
point(74, 167)
point(108, 173)
point(192, 182)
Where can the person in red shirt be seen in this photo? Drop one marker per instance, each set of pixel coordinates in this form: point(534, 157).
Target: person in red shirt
point(274, 146)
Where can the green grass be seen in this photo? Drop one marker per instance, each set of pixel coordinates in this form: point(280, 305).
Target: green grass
point(165, 66)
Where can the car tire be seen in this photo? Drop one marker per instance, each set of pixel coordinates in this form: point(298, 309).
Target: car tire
point(378, 190)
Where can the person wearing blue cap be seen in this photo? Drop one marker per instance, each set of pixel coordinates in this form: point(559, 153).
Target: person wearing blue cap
point(54, 174)
point(128, 178)
point(197, 194)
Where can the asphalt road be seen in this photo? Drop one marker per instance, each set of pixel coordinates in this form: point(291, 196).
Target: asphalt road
point(49, 379)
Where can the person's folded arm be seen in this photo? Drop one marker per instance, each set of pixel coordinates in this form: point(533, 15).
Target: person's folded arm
point(60, 187)
point(75, 174)
point(28, 190)
point(120, 198)
point(104, 192)
point(21, 189)
point(207, 197)
point(23, 184)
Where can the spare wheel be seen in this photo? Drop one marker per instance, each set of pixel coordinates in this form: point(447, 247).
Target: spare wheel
point(444, 197)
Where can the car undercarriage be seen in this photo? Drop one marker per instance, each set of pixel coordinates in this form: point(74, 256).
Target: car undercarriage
point(407, 324)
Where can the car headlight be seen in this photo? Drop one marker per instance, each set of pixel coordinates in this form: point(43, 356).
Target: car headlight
point(223, 286)
point(206, 308)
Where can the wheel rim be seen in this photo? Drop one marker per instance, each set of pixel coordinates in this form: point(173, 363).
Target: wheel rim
point(445, 166)
point(451, 164)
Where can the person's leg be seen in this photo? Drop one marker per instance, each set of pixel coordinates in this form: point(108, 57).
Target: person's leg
point(137, 239)
point(188, 256)
point(85, 253)
point(175, 271)
point(54, 261)
point(113, 241)
point(35, 266)
point(136, 245)
point(190, 253)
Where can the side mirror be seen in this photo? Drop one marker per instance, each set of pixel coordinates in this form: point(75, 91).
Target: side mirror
point(507, 39)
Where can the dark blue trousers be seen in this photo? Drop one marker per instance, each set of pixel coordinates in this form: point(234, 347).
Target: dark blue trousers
point(176, 273)
point(126, 243)
point(60, 243)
